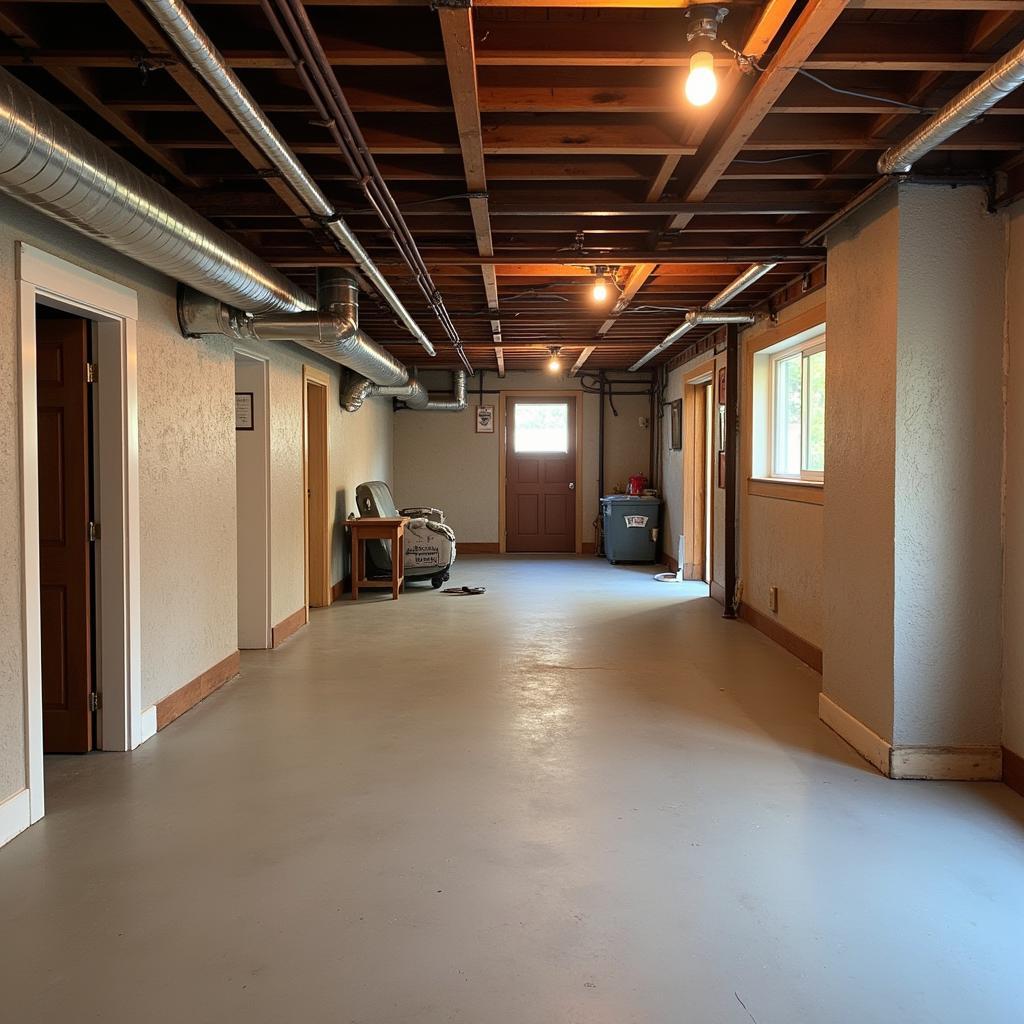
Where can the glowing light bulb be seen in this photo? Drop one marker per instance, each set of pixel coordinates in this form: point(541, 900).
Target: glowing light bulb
point(701, 83)
point(554, 365)
point(600, 289)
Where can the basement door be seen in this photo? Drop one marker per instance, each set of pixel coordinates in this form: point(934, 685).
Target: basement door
point(65, 506)
point(540, 474)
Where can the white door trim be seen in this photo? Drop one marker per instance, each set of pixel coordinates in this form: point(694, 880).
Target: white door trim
point(52, 281)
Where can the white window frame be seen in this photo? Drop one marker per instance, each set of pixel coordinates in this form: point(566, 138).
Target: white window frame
point(765, 362)
point(804, 350)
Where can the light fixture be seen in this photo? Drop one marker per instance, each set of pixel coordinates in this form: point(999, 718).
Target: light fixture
point(603, 283)
point(554, 363)
point(701, 82)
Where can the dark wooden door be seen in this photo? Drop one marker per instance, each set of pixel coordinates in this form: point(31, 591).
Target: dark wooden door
point(62, 352)
point(540, 474)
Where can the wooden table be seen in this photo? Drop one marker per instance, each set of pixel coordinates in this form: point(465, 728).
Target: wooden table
point(378, 528)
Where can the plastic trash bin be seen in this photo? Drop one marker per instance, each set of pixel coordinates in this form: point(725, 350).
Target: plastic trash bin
point(630, 527)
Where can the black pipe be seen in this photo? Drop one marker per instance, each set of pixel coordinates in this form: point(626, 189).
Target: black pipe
point(731, 442)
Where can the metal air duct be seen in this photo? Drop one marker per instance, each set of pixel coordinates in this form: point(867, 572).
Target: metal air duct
point(413, 394)
point(1006, 75)
point(206, 61)
point(709, 314)
point(49, 162)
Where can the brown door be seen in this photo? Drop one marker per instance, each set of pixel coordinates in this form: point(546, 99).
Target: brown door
point(62, 352)
point(540, 468)
point(318, 590)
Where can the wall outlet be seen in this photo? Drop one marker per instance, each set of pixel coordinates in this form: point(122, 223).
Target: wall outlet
point(773, 598)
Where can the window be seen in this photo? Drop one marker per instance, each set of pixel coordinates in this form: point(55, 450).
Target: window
point(789, 409)
point(541, 427)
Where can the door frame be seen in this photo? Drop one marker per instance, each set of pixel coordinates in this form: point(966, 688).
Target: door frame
point(114, 309)
point(502, 467)
point(320, 379)
point(264, 361)
point(693, 461)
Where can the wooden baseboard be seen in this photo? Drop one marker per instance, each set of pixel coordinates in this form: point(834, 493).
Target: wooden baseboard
point(962, 764)
point(718, 593)
point(489, 547)
point(1013, 770)
point(667, 559)
point(865, 741)
point(15, 815)
point(175, 705)
point(288, 627)
point(774, 630)
point(343, 586)
point(589, 547)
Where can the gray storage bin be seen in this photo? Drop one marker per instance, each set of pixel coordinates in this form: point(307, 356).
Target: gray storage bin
point(630, 528)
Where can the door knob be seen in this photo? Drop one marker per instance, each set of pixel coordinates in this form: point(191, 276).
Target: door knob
point(572, 485)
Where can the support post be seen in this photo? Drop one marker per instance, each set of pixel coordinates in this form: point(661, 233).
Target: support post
point(732, 440)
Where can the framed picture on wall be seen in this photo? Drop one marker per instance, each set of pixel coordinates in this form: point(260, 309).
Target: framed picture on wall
point(676, 421)
point(721, 385)
point(485, 419)
point(243, 411)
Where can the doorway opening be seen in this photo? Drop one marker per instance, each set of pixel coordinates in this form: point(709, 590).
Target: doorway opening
point(67, 530)
point(708, 480)
point(252, 493)
point(316, 389)
point(540, 473)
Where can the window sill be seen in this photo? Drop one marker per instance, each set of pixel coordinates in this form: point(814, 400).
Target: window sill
point(809, 492)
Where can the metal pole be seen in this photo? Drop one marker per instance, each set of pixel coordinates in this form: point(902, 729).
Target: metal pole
point(732, 440)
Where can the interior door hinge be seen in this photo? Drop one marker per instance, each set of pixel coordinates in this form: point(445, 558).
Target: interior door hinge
point(94, 701)
point(94, 532)
point(92, 373)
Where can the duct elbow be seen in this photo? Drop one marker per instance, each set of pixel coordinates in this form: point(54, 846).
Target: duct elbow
point(891, 163)
point(355, 394)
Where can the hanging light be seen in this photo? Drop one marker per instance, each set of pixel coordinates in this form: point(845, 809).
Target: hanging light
point(600, 292)
point(554, 363)
point(701, 82)
point(604, 282)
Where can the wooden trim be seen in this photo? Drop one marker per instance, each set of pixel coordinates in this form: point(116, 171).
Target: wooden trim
point(774, 630)
point(668, 560)
point(963, 764)
point(1013, 770)
point(289, 626)
point(717, 592)
point(502, 469)
point(15, 815)
point(320, 379)
point(189, 695)
point(485, 547)
point(866, 742)
point(339, 588)
point(589, 548)
point(807, 494)
point(693, 458)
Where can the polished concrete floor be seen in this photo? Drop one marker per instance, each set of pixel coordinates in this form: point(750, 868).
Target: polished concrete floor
point(581, 798)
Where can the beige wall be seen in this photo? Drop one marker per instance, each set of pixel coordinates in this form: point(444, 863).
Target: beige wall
point(440, 460)
point(1013, 568)
point(782, 540)
point(186, 480)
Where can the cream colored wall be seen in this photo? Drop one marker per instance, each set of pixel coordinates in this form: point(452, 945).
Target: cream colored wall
point(781, 541)
point(440, 460)
point(1013, 567)
point(862, 296)
point(186, 479)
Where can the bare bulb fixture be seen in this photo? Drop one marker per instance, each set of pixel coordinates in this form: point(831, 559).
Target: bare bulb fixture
point(701, 82)
point(554, 363)
point(601, 289)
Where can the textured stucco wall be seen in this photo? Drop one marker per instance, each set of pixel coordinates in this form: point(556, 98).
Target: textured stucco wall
point(186, 479)
point(862, 297)
point(440, 459)
point(948, 568)
point(1013, 568)
point(782, 542)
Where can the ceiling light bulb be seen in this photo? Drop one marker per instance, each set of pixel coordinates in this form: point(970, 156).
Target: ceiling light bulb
point(701, 83)
point(600, 289)
point(554, 363)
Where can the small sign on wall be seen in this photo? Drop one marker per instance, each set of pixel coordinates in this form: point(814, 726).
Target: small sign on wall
point(243, 411)
point(485, 419)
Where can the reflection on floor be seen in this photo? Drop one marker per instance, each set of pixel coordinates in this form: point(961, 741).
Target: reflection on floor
point(579, 797)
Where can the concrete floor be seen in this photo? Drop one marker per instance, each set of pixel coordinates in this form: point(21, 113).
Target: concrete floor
point(582, 797)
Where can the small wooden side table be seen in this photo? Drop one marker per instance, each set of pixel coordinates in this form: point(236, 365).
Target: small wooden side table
point(377, 528)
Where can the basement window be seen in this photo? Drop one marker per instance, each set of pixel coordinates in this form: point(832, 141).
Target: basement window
point(541, 428)
point(789, 410)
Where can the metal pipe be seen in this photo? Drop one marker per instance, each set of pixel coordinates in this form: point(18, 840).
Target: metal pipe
point(1006, 75)
point(702, 316)
point(206, 61)
point(413, 394)
point(49, 162)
